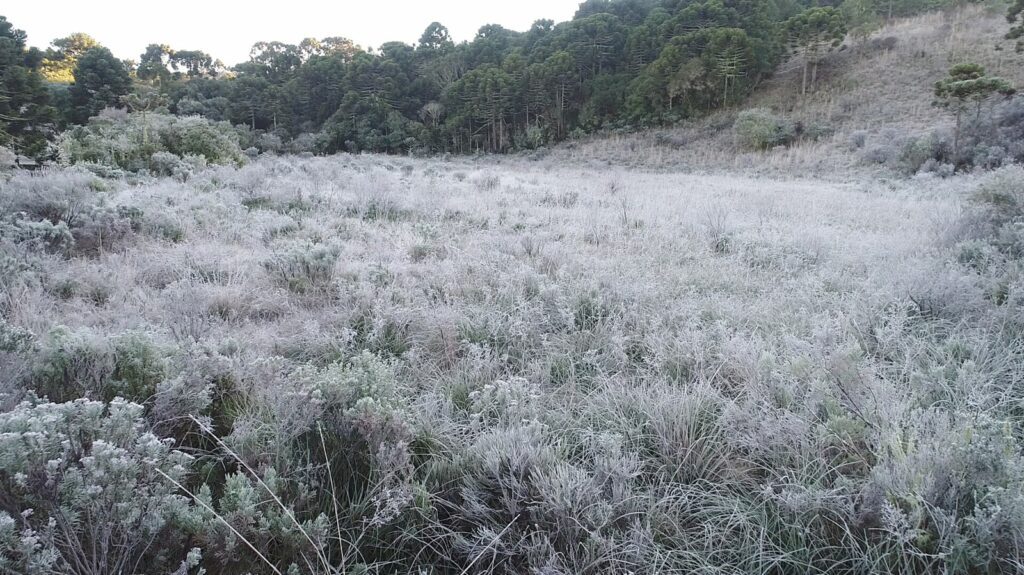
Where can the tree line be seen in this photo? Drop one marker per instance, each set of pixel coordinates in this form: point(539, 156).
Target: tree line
point(617, 64)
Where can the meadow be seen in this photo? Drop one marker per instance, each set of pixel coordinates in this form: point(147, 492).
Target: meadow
point(374, 364)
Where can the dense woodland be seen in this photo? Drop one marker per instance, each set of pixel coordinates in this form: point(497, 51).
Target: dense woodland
point(618, 64)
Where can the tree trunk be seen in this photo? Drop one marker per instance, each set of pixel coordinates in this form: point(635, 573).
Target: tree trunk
point(803, 86)
point(956, 136)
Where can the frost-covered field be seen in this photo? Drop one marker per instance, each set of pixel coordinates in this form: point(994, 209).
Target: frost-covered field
point(398, 365)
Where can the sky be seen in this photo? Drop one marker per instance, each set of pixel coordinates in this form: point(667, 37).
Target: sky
point(227, 29)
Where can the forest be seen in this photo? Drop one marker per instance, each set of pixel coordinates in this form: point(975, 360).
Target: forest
point(617, 65)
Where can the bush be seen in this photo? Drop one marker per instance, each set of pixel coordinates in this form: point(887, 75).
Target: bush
point(760, 129)
point(73, 364)
point(94, 489)
point(908, 155)
point(7, 158)
point(304, 267)
point(131, 141)
point(48, 205)
point(195, 136)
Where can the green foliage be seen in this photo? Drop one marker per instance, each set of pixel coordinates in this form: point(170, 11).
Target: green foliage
point(760, 129)
point(1013, 15)
point(131, 141)
point(861, 16)
point(614, 65)
point(72, 364)
point(812, 33)
point(27, 119)
point(62, 58)
point(967, 85)
point(100, 82)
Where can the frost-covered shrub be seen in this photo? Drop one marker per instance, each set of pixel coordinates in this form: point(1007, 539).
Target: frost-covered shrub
point(48, 203)
point(72, 364)
point(53, 195)
point(912, 154)
point(304, 267)
point(130, 142)
point(43, 235)
point(166, 164)
point(90, 490)
point(268, 142)
point(955, 491)
point(248, 509)
point(7, 157)
point(857, 139)
point(195, 136)
point(761, 129)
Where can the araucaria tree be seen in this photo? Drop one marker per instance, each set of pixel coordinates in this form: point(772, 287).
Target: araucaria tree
point(100, 82)
point(812, 33)
point(965, 87)
point(26, 117)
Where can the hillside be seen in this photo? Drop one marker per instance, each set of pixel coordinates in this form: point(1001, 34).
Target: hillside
point(882, 86)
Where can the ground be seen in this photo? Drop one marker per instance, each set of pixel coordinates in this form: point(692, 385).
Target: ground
point(535, 348)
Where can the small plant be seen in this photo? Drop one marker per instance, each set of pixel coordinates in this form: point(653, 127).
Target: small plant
point(304, 268)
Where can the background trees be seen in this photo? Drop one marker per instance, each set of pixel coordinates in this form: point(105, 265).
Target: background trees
point(101, 80)
point(62, 57)
point(966, 87)
point(618, 64)
point(26, 116)
point(811, 34)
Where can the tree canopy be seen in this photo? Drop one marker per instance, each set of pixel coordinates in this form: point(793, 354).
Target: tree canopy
point(617, 64)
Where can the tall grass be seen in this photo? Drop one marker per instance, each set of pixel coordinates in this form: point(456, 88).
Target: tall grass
point(566, 370)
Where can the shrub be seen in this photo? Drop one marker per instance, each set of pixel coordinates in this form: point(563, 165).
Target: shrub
point(73, 364)
point(7, 158)
point(167, 164)
point(43, 235)
point(857, 139)
point(53, 195)
point(304, 267)
point(131, 141)
point(195, 136)
point(95, 490)
point(760, 129)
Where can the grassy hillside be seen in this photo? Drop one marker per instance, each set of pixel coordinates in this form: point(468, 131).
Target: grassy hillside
point(882, 85)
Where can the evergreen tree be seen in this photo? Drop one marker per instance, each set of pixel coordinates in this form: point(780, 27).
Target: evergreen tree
point(26, 117)
point(101, 80)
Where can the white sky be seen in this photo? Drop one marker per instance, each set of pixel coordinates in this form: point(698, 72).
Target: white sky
point(227, 29)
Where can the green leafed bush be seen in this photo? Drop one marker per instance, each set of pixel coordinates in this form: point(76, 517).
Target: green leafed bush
point(138, 141)
point(760, 129)
point(71, 364)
